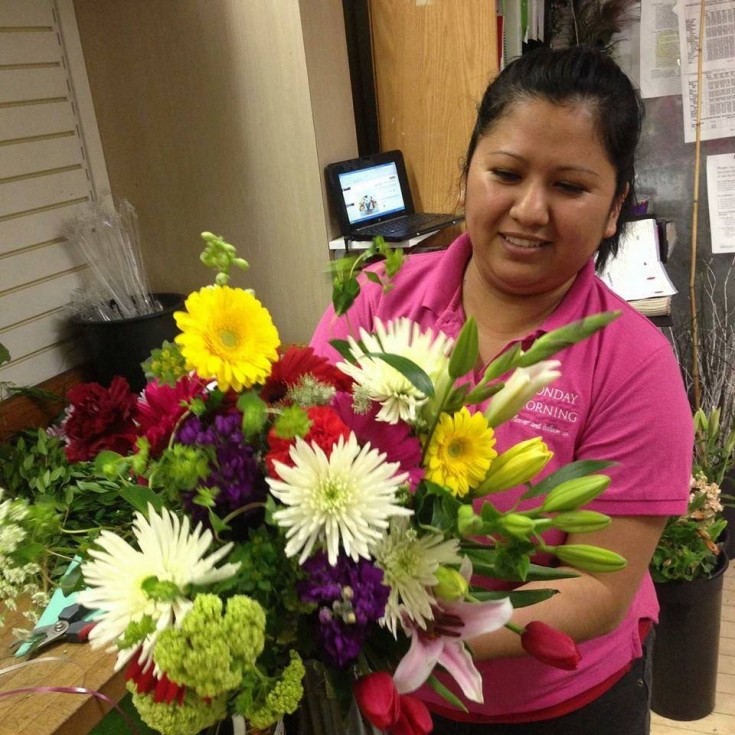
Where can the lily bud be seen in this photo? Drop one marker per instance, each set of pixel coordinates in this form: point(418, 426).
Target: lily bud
point(590, 558)
point(517, 525)
point(580, 521)
point(465, 350)
point(522, 385)
point(468, 522)
point(515, 466)
point(571, 494)
point(550, 646)
point(451, 585)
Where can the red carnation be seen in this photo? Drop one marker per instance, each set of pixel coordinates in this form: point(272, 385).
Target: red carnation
point(100, 418)
point(388, 710)
point(293, 365)
point(550, 646)
point(160, 408)
point(325, 431)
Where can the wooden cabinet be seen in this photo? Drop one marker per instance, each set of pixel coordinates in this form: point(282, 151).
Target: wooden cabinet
point(432, 60)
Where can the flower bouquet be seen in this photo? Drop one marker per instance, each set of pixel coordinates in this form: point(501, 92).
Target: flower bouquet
point(291, 513)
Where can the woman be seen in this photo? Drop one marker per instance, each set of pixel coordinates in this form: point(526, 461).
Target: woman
point(548, 182)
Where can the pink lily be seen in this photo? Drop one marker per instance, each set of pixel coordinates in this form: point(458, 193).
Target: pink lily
point(443, 643)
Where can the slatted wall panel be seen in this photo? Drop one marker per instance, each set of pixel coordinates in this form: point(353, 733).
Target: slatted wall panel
point(46, 176)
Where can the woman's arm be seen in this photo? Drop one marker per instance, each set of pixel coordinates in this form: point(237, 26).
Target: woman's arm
point(589, 605)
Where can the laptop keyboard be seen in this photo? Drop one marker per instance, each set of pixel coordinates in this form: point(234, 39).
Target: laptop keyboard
point(409, 222)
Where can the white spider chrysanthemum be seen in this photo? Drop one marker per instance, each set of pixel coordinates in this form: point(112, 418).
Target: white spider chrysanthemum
point(344, 500)
point(409, 563)
point(169, 553)
point(400, 399)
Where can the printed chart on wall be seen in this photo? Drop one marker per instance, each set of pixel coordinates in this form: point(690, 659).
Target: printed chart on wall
point(721, 190)
point(718, 67)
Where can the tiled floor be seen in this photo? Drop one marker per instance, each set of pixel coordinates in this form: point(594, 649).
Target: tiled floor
point(722, 720)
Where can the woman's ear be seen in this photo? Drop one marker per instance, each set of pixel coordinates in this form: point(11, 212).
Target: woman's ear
point(612, 217)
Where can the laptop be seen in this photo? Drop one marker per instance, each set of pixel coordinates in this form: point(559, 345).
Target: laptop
point(371, 196)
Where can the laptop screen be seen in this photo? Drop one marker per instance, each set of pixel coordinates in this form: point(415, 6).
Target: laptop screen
point(371, 192)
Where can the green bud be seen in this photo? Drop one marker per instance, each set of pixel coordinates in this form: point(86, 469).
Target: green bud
point(572, 494)
point(466, 350)
point(558, 339)
point(590, 558)
point(450, 584)
point(515, 466)
point(580, 521)
point(517, 525)
point(254, 413)
point(468, 522)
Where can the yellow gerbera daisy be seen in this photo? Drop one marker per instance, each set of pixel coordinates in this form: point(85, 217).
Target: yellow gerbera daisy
point(227, 334)
point(460, 451)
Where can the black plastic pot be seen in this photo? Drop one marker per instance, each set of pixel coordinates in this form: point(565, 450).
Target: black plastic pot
point(119, 347)
point(687, 646)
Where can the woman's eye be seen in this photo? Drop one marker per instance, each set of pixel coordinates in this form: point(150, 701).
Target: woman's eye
point(504, 175)
point(570, 188)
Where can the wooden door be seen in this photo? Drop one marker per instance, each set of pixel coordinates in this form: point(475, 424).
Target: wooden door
point(432, 61)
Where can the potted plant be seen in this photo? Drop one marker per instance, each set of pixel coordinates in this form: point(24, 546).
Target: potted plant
point(687, 568)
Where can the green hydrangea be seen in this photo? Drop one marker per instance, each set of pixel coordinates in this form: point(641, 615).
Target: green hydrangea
point(264, 703)
point(188, 718)
point(166, 364)
point(211, 652)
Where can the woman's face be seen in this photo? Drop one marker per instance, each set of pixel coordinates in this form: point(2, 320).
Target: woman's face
point(539, 198)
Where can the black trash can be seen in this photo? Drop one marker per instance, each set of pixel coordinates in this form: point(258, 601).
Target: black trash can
point(119, 346)
point(687, 646)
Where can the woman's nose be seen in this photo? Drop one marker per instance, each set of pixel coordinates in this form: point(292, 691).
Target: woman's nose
point(530, 206)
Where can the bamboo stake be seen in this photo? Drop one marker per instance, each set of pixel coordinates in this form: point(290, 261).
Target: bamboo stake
point(695, 220)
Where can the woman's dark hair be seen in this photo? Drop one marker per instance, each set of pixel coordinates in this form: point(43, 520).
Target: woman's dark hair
point(574, 75)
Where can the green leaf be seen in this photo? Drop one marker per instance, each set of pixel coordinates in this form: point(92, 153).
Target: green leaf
point(409, 369)
point(443, 692)
point(569, 472)
point(4, 354)
point(518, 598)
point(344, 294)
point(139, 496)
point(343, 347)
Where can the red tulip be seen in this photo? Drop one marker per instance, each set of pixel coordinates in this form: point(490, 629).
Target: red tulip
point(389, 711)
point(550, 646)
point(378, 699)
point(415, 717)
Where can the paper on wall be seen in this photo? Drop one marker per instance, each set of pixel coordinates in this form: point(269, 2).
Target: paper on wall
point(718, 68)
point(659, 49)
point(721, 193)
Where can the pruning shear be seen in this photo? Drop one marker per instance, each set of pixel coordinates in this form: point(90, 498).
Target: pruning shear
point(71, 626)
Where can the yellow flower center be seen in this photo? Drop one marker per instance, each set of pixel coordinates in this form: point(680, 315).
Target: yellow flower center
point(457, 447)
point(228, 338)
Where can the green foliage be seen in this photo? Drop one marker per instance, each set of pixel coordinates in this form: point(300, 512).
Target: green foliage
point(688, 546)
point(69, 503)
point(346, 287)
point(4, 354)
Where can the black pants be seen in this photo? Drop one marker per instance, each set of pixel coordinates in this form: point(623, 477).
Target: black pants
point(624, 709)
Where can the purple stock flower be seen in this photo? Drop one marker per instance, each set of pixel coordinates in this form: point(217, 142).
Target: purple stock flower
point(235, 473)
point(351, 597)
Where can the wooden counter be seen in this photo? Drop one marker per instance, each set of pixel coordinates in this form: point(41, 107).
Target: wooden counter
point(55, 713)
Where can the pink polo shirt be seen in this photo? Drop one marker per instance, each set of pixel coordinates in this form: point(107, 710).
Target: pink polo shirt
point(620, 398)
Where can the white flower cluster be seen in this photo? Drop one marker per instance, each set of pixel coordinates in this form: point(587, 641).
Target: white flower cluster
point(17, 580)
point(711, 490)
